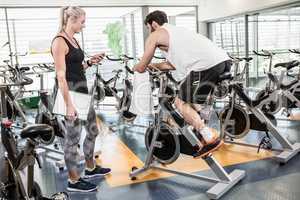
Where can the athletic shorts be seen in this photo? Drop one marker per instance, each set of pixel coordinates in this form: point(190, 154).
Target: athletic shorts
point(196, 87)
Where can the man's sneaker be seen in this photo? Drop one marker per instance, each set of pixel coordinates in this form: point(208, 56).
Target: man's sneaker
point(207, 135)
point(81, 186)
point(209, 148)
point(97, 172)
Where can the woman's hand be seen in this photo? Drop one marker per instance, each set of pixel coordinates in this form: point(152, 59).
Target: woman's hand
point(71, 113)
point(96, 58)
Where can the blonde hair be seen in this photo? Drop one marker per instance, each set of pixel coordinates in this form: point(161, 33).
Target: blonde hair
point(69, 12)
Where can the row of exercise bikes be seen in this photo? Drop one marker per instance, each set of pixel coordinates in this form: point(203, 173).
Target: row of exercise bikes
point(165, 141)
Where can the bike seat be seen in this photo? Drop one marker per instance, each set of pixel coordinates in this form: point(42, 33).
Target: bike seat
point(225, 76)
point(43, 131)
point(24, 69)
point(247, 59)
point(288, 86)
point(117, 71)
point(288, 65)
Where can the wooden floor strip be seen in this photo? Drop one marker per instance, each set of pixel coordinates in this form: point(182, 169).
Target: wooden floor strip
point(121, 159)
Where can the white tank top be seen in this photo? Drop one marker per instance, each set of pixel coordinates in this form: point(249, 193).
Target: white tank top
point(189, 51)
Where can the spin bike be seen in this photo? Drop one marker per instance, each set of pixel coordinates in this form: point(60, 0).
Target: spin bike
point(18, 181)
point(237, 119)
point(103, 88)
point(289, 96)
point(221, 90)
point(165, 141)
point(272, 106)
point(12, 75)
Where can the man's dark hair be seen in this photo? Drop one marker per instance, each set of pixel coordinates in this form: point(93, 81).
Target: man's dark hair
point(158, 16)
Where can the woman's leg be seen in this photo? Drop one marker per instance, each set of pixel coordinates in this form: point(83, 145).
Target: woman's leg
point(72, 139)
point(89, 142)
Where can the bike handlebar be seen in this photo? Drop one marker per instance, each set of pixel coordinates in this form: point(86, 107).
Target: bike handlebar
point(160, 58)
point(25, 81)
point(264, 54)
point(296, 51)
point(122, 59)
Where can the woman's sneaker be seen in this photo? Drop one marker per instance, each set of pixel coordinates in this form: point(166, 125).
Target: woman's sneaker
point(81, 186)
point(98, 171)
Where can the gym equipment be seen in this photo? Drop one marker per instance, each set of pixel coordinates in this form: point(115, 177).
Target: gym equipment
point(12, 107)
point(165, 141)
point(125, 101)
point(289, 92)
point(271, 106)
point(238, 119)
point(18, 183)
point(222, 87)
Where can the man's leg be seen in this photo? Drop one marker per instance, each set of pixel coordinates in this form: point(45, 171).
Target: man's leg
point(189, 114)
point(295, 117)
point(193, 118)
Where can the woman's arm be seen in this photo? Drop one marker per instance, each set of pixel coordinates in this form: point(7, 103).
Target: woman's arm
point(59, 50)
point(93, 60)
point(86, 65)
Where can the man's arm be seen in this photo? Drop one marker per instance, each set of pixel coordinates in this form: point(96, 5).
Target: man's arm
point(150, 47)
point(162, 66)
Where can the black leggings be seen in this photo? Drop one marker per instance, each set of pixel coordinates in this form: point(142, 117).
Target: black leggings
point(192, 92)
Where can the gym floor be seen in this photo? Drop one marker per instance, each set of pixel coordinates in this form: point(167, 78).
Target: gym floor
point(124, 148)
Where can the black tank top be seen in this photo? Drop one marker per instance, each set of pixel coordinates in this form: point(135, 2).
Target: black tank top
point(75, 74)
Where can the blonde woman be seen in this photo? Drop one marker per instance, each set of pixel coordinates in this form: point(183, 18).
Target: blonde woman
point(70, 75)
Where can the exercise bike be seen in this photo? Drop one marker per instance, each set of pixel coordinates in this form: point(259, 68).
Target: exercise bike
point(102, 88)
point(221, 89)
point(165, 141)
point(11, 75)
point(272, 106)
point(289, 95)
point(237, 119)
point(18, 180)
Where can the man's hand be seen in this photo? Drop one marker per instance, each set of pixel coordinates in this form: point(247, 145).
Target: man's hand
point(139, 68)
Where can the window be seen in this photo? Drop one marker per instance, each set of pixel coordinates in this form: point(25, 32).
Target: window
point(32, 29)
point(230, 35)
point(276, 31)
point(4, 49)
point(31, 33)
point(180, 16)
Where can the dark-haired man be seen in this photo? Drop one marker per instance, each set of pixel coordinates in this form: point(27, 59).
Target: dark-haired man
point(192, 57)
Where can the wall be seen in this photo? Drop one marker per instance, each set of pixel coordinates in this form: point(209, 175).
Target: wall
point(213, 9)
point(39, 3)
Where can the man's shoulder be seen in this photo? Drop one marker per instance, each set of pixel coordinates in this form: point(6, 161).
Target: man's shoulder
point(159, 32)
